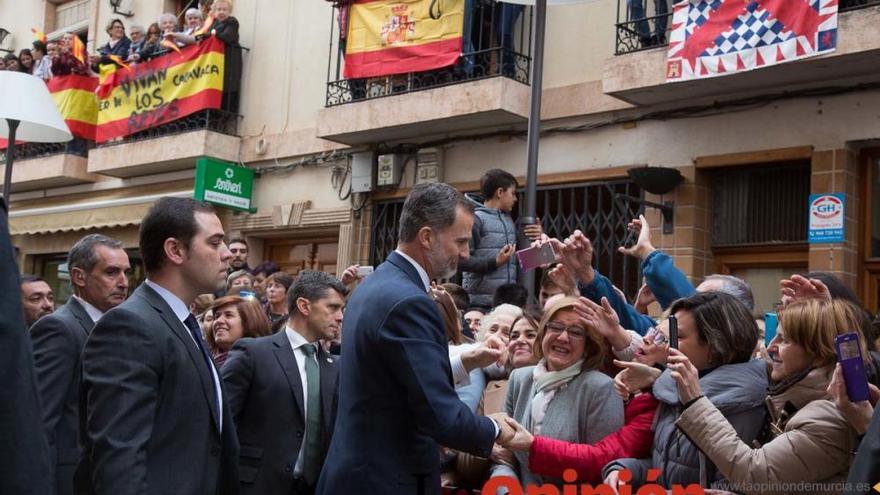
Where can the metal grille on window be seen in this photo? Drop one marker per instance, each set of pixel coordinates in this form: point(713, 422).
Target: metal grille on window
point(563, 209)
point(760, 205)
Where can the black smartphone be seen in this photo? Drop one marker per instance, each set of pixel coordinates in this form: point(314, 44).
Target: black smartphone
point(673, 332)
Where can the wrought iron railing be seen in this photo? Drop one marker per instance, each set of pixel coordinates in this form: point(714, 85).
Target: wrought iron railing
point(490, 49)
point(212, 120)
point(645, 24)
point(25, 151)
point(590, 207)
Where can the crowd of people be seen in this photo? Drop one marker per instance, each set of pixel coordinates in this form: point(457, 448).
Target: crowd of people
point(66, 55)
point(215, 377)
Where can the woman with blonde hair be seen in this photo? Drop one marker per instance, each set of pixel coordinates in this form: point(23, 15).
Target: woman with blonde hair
point(806, 444)
point(565, 396)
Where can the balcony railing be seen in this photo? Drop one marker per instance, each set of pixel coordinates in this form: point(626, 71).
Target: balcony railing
point(25, 151)
point(219, 121)
point(645, 24)
point(491, 48)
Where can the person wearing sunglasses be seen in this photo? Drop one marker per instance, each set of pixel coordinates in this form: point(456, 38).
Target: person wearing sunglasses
point(566, 396)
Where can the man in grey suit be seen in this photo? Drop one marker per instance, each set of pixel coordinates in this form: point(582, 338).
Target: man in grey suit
point(98, 268)
point(282, 391)
point(153, 418)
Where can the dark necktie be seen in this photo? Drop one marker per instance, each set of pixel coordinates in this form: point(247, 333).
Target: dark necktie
point(193, 326)
point(312, 443)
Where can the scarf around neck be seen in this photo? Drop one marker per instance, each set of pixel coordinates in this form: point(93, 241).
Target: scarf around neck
point(546, 383)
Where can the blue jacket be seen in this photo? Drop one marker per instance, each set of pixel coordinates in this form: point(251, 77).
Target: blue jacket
point(666, 281)
point(397, 403)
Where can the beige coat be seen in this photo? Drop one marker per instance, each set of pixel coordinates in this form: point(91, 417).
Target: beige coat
point(810, 453)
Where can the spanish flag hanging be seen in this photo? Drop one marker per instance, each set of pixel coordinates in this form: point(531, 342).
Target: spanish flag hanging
point(75, 98)
point(398, 36)
point(161, 90)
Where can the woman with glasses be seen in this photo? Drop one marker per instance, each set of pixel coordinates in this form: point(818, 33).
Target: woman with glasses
point(717, 334)
point(118, 45)
point(565, 396)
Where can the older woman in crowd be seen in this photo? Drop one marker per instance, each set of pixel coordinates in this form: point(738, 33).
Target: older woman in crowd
point(499, 321)
point(234, 318)
point(118, 45)
point(276, 298)
point(225, 27)
point(565, 396)
point(239, 280)
point(471, 471)
point(154, 46)
point(150, 46)
point(717, 334)
point(137, 35)
point(807, 442)
point(193, 19)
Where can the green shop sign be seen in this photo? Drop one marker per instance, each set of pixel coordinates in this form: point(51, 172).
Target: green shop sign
point(224, 184)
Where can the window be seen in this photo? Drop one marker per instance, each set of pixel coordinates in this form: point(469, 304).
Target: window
point(760, 205)
point(72, 16)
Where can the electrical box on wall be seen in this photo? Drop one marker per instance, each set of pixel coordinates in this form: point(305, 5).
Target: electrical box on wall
point(362, 166)
point(390, 166)
point(429, 166)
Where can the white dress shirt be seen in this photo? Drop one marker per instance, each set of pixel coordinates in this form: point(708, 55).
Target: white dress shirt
point(460, 376)
point(94, 313)
point(181, 311)
point(297, 341)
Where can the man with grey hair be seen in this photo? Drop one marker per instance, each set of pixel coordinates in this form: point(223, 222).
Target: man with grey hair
point(98, 267)
point(397, 404)
point(293, 435)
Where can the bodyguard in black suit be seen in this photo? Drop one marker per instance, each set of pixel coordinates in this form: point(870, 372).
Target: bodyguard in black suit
point(397, 404)
point(24, 457)
point(97, 265)
point(282, 391)
point(153, 417)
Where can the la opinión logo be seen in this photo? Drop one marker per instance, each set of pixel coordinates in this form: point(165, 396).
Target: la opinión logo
point(514, 487)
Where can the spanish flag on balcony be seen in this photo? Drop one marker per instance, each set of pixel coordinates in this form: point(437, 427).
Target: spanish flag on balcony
point(398, 36)
point(160, 90)
point(74, 96)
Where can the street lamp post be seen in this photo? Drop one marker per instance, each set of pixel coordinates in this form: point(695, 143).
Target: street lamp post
point(28, 113)
point(534, 129)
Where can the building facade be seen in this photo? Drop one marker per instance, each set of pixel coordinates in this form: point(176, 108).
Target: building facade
point(751, 146)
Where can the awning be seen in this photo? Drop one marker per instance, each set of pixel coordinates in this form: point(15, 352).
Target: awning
point(75, 217)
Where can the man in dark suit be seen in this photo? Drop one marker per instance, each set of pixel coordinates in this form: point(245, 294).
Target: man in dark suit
point(153, 418)
point(37, 298)
point(397, 404)
point(98, 269)
point(24, 457)
point(282, 391)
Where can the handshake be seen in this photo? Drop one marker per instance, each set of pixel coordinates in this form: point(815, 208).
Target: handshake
point(512, 435)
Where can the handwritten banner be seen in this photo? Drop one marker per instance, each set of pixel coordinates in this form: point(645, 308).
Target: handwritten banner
point(161, 90)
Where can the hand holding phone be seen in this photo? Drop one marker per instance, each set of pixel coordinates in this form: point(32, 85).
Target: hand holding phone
point(363, 271)
point(673, 332)
point(849, 355)
point(771, 323)
point(533, 257)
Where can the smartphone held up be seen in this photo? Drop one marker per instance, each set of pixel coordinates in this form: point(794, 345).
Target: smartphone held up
point(533, 257)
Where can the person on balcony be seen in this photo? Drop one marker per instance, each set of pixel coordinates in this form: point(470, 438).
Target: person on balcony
point(11, 62)
point(194, 21)
point(225, 28)
point(118, 45)
point(42, 62)
point(25, 61)
point(137, 35)
point(637, 16)
point(64, 63)
point(150, 47)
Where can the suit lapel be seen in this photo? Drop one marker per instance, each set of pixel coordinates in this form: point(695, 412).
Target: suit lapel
point(403, 264)
point(328, 385)
point(79, 312)
point(195, 355)
point(285, 357)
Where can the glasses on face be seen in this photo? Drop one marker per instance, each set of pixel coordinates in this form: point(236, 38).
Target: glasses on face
point(574, 332)
point(658, 336)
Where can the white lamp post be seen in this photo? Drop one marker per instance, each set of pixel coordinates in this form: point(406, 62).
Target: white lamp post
point(27, 113)
point(537, 75)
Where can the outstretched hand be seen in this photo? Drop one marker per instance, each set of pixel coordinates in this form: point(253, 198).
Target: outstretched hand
point(799, 288)
point(643, 247)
